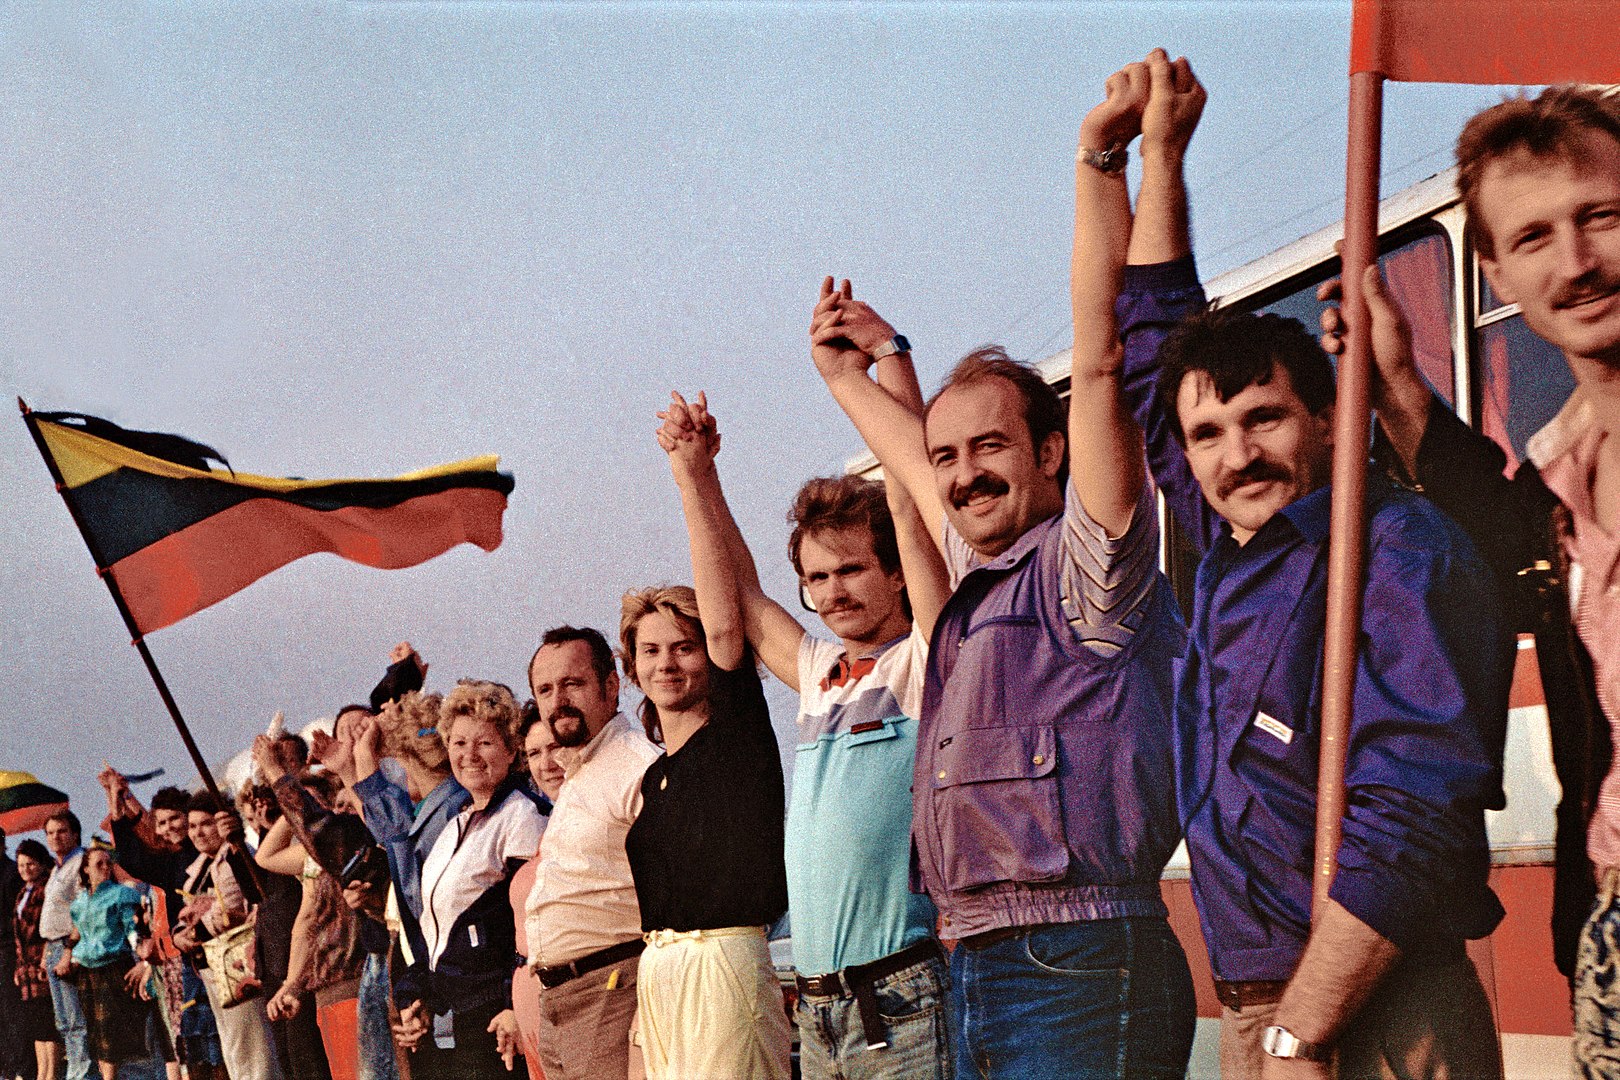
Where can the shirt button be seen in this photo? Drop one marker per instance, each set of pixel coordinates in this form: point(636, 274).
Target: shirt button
point(1039, 759)
point(942, 774)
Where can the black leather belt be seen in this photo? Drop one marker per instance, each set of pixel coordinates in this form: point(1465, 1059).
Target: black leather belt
point(857, 979)
point(1241, 995)
point(555, 976)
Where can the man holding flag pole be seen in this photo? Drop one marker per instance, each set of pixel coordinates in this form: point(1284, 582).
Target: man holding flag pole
point(1238, 417)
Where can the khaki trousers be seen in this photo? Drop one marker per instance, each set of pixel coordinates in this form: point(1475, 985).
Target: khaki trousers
point(584, 1031)
point(1428, 1020)
point(711, 1007)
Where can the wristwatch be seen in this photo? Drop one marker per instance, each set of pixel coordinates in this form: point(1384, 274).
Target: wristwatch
point(1111, 160)
point(1279, 1042)
point(896, 344)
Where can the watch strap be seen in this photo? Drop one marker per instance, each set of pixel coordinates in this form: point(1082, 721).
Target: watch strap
point(1112, 160)
point(896, 344)
point(1279, 1042)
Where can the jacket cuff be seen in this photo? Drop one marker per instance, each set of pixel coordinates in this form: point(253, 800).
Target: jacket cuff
point(1169, 276)
point(1372, 901)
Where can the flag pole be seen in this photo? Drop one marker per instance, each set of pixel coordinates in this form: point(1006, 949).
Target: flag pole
point(1351, 434)
point(105, 573)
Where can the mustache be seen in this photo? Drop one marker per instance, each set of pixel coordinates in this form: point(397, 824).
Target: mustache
point(984, 484)
point(1589, 286)
point(1258, 470)
point(577, 737)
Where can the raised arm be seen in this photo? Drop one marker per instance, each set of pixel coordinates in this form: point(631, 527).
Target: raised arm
point(692, 438)
point(1160, 287)
point(844, 333)
point(1105, 445)
point(689, 438)
point(928, 579)
point(1162, 232)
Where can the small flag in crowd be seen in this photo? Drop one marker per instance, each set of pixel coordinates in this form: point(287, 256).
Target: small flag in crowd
point(25, 803)
point(177, 536)
point(1500, 42)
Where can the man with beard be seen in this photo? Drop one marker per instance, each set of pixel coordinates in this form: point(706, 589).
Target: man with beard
point(1238, 415)
point(1541, 181)
point(582, 918)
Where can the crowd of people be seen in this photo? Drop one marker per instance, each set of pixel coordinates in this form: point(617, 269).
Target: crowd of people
point(1008, 730)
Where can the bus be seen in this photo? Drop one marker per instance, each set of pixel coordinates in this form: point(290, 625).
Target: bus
point(1477, 353)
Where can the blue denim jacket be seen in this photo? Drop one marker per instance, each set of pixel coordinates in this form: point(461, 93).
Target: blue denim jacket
point(1043, 788)
point(1430, 703)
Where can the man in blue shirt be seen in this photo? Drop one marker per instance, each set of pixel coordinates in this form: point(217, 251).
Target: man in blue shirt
point(1238, 415)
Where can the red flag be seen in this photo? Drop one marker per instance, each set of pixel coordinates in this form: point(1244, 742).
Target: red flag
point(1509, 42)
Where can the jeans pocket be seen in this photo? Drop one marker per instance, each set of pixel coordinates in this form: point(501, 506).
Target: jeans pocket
point(920, 994)
point(1081, 950)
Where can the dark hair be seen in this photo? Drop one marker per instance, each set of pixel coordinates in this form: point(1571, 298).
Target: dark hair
point(601, 651)
point(843, 502)
point(266, 794)
point(171, 798)
point(1237, 351)
point(84, 863)
point(36, 851)
point(205, 802)
point(353, 707)
point(70, 819)
point(1044, 412)
point(301, 748)
point(528, 716)
point(1550, 126)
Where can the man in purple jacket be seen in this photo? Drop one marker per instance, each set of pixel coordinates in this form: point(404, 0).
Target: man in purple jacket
point(1044, 807)
point(1238, 416)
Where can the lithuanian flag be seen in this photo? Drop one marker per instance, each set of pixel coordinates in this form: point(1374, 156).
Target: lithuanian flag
point(177, 536)
point(25, 803)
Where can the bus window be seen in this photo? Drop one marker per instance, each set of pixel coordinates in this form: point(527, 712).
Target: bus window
point(1523, 382)
point(1419, 274)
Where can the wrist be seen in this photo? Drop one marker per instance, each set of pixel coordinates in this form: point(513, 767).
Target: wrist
point(1163, 155)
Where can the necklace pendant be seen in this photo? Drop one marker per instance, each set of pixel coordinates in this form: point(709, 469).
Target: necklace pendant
point(663, 783)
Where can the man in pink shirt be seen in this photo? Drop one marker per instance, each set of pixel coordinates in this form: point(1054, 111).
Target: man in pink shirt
point(1541, 182)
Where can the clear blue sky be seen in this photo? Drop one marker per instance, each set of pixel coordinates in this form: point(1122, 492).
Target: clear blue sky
point(359, 239)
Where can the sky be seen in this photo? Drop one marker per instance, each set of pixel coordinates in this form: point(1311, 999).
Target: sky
point(359, 239)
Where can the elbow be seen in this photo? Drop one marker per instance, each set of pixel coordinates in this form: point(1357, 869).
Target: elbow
point(727, 646)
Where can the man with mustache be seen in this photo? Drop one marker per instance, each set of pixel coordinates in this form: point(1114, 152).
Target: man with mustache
point(1044, 806)
point(582, 918)
point(1541, 181)
point(1238, 415)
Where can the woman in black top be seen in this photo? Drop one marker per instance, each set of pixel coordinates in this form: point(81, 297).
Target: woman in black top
point(705, 851)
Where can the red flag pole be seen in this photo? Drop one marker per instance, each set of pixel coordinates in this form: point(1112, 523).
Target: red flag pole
point(1351, 435)
point(105, 573)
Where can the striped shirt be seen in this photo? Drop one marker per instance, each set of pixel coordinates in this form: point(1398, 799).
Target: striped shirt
point(1106, 580)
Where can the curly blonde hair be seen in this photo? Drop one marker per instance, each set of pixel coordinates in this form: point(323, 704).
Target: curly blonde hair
point(410, 728)
point(478, 699)
point(679, 602)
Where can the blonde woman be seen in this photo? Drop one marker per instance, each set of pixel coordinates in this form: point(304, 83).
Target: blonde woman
point(706, 850)
point(462, 984)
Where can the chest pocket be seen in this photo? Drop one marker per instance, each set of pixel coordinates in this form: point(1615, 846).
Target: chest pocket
point(997, 807)
point(993, 665)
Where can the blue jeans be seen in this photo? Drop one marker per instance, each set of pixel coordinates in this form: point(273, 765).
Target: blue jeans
point(913, 1005)
point(376, 1039)
point(69, 1015)
point(1074, 1001)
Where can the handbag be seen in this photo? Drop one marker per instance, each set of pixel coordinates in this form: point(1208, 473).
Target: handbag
point(232, 958)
